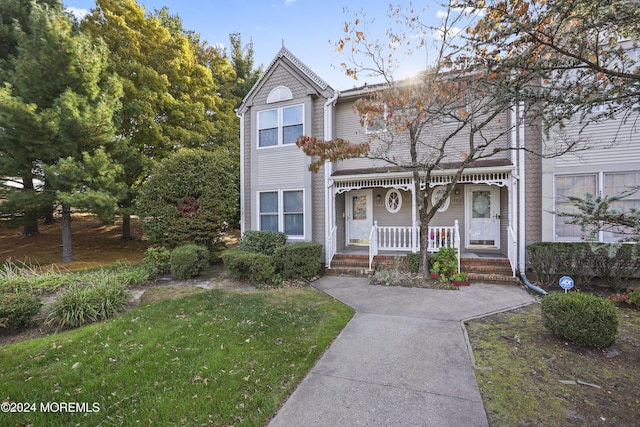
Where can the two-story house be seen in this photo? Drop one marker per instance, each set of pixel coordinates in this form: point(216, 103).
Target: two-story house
point(499, 205)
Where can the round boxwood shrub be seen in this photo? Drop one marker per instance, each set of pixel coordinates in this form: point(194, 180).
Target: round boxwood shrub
point(582, 318)
point(17, 310)
point(262, 242)
point(188, 261)
point(251, 267)
point(300, 260)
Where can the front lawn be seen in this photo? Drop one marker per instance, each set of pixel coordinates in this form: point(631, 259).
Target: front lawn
point(529, 377)
point(214, 358)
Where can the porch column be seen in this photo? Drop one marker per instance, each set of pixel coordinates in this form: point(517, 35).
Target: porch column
point(414, 219)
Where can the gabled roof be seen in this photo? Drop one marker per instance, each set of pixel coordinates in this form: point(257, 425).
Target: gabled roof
point(297, 64)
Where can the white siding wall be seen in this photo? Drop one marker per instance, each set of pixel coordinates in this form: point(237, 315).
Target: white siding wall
point(610, 146)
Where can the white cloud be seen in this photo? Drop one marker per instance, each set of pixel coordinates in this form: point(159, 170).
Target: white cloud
point(77, 12)
point(289, 2)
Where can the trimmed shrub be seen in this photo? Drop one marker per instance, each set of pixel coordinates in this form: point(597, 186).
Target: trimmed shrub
point(188, 261)
point(252, 267)
point(83, 304)
point(613, 263)
point(413, 262)
point(581, 318)
point(157, 261)
point(634, 296)
point(263, 242)
point(17, 310)
point(299, 260)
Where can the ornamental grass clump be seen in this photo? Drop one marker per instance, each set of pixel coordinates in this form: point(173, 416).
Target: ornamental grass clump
point(81, 304)
point(584, 319)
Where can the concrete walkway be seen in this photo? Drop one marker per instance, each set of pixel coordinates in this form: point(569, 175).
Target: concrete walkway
point(403, 360)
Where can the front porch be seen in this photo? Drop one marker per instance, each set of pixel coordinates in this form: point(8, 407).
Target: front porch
point(354, 262)
point(376, 217)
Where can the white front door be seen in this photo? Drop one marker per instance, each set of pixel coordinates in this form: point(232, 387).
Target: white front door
point(483, 216)
point(359, 217)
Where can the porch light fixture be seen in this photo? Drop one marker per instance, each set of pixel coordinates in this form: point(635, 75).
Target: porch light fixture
point(457, 192)
point(378, 200)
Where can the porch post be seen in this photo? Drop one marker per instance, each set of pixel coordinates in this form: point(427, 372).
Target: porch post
point(414, 220)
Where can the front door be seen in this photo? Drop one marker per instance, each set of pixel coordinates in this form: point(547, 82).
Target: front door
point(359, 217)
point(483, 216)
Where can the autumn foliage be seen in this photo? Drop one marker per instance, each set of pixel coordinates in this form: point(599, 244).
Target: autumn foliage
point(335, 149)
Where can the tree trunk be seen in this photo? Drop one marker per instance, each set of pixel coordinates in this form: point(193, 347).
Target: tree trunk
point(67, 249)
point(424, 253)
point(48, 216)
point(31, 215)
point(126, 227)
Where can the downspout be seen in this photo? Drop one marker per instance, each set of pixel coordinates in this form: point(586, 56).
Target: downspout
point(328, 169)
point(521, 190)
point(520, 136)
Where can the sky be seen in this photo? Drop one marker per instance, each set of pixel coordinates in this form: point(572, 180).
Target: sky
point(308, 28)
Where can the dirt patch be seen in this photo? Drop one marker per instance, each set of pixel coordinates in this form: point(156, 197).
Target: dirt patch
point(97, 245)
point(94, 244)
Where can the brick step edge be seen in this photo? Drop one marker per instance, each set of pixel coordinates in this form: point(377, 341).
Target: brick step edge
point(492, 278)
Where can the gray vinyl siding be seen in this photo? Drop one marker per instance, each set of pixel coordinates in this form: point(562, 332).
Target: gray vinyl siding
point(612, 142)
point(609, 146)
point(318, 181)
point(402, 218)
point(348, 127)
point(282, 168)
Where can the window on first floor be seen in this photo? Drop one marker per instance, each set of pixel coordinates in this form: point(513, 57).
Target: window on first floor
point(602, 183)
point(282, 210)
point(280, 126)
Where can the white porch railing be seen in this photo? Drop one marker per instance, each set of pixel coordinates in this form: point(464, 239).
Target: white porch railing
point(332, 246)
point(512, 250)
point(397, 238)
point(373, 244)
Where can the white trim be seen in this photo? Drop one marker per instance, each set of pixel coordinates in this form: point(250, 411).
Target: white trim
point(279, 94)
point(494, 216)
point(437, 194)
point(349, 211)
point(243, 225)
point(388, 196)
point(280, 125)
point(280, 192)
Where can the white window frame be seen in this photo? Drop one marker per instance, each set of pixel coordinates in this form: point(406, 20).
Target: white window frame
point(600, 176)
point(371, 130)
point(387, 200)
point(281, 213)
point(556, 199)
point(280, 125)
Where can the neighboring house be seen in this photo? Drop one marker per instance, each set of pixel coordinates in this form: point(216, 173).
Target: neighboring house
point(499, 205)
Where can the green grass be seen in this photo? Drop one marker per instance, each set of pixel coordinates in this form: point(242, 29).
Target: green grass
point(215, 358)
point(523, 366)
point(38, 281)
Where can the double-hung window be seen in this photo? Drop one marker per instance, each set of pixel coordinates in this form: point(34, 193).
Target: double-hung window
point(282, 210)
point(571, 186)
point(280, 126)
point(614, 184)
point(602, 183)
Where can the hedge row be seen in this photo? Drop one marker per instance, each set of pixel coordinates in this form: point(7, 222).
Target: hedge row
point(613, 263)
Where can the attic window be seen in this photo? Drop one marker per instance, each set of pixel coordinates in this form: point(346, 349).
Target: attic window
point(280, 93)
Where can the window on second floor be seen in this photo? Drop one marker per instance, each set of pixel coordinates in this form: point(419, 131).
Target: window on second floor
point(280, 126)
